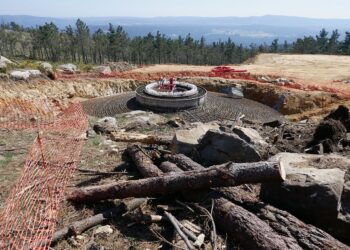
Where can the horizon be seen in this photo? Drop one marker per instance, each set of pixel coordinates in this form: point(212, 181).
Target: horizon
point(176, 8)
point(150, 17)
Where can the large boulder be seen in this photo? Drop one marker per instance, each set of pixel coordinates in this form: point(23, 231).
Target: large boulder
point(4, 63)
point(47, 69)
point(186, 140)
point(312, 191)
point(140, 120)
point(249, 135)
point(103, 70)
point(19, 75)
point(106, 125)
point(218, 147)
point(24, 75)
point(120, 66)
point(341, 227)
point(68, 68)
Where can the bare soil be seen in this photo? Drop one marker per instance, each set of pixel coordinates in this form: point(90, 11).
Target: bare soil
point(324, 70)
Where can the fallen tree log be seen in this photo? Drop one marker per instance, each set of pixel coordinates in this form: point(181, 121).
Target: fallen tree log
point(307, 236)
point(248, 229)
point(284, 223)
point(141, 138)
point(184, 162)
point(78, 227)
point(168, 167)
point(143, 162)
point(218, 176)
point(242, 225)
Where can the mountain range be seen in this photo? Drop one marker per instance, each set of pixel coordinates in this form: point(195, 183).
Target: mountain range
point(246, 30)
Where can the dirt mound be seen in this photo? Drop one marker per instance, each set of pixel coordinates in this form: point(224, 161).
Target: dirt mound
point(330, 132)
point(120, 66)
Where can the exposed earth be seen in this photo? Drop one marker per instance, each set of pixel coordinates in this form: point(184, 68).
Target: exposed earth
point(283, 116)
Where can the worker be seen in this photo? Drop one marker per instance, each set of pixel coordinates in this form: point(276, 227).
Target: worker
point(171, 84)
point(161, 82)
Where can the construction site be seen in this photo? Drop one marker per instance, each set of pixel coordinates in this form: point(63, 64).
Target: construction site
point(248, 156)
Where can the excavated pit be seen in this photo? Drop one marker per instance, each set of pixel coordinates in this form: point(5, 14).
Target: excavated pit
point(216, 107)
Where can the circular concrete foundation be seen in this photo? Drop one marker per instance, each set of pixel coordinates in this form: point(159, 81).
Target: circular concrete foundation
point(216, 107)
point(191, 97)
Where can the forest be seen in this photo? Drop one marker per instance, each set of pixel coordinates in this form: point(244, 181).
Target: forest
point(79, 44)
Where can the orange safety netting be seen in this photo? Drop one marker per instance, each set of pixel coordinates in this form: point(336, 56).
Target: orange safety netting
point(29, 215)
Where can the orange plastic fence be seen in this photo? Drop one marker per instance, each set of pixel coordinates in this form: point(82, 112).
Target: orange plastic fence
point(29, 216)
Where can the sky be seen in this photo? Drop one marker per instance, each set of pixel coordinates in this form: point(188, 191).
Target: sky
point(152, 8)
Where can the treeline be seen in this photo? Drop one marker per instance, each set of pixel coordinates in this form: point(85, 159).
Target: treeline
point(79, 44)
point(323, 43)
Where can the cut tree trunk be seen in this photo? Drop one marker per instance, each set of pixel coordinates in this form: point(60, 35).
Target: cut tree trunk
point(143, 162)
point(218, 176)
point(307, 236)
point(184, 162)
point(248, 229)
point(141, 138)
point(168, 167)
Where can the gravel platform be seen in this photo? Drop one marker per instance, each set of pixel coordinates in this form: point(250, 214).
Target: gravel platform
point(217, 107)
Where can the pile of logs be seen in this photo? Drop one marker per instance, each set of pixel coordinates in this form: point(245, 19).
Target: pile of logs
point(217, 191)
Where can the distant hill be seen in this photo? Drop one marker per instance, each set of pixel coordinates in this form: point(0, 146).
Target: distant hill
point(244, 30)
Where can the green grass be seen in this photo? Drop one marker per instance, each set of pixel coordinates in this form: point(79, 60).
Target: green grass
point(28, 64)
point(85, 67)
point(166, 129)
point(8, 156)
point(97, 140)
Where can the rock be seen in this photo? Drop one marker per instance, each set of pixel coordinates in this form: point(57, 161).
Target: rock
point(346, 197)
point(186, 140)
point(34, 73)
point(120, 66)
point(103, 70)
point(219, 147)
point(264, 79)
point(104, 230)
point(19, 75)
point(308, 192)
point(68, 68)
point(176, 123)
point(106, 125)
point(80, 237)
point(282, 81)
point(47, 69)
point(45, 66)
point(249, 135)
point(4, 63)
point(90, 133)
point(138, 119)
point(233, 92)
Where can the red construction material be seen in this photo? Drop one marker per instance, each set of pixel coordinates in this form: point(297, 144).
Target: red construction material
point(226, 69)
point(29, 217)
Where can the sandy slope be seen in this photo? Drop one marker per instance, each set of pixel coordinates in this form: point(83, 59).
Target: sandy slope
point(306, 69)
